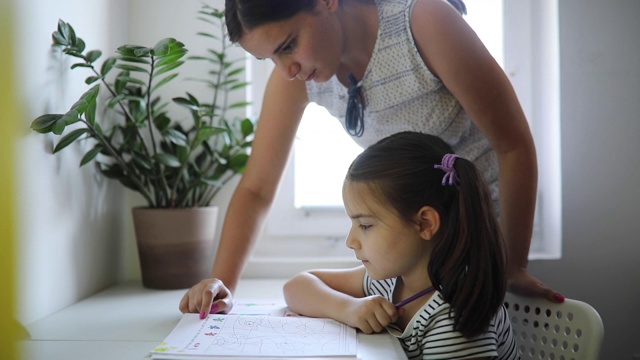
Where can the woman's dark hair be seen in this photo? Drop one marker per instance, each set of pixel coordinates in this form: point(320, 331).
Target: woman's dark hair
point(249, 14)
point(468, 261)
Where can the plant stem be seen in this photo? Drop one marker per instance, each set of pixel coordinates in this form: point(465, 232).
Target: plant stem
point(121, 161)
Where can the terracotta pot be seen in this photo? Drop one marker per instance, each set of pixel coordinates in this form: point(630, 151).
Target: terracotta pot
point(175, 245)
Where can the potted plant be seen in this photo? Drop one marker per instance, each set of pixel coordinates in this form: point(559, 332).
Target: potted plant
point(177, 166)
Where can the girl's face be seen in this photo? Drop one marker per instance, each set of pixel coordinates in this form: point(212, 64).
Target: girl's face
point(387, 245)
point(305, 47)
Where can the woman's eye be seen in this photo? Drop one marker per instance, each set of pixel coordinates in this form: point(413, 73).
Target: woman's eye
point(364, 227)
point(288, 49)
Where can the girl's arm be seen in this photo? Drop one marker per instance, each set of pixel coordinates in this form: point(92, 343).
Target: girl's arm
point(283, 105)
point(339, 295)
point(453, 52)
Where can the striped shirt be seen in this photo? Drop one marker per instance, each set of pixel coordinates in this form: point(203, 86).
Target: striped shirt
point(430, 333)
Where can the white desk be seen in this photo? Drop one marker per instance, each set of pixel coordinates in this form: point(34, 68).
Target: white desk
point(126, 321)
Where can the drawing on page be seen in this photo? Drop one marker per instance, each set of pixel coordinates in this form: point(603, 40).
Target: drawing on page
point(273, 335)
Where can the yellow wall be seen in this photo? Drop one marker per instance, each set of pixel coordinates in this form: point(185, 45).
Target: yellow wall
point(8, 119)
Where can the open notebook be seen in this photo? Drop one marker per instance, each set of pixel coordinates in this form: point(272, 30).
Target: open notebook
point(257, 330)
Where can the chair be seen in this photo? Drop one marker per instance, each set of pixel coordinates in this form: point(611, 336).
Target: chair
point(572, 330)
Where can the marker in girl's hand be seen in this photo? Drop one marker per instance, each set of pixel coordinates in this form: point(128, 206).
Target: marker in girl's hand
point(414, 297)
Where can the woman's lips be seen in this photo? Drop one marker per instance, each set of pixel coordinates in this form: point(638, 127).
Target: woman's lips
point(311, 76)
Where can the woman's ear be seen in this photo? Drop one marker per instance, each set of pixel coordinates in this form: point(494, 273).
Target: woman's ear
point(330, 4)
point(429, 221)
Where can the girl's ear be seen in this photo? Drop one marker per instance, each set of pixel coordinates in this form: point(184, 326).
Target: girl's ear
point(429, 221)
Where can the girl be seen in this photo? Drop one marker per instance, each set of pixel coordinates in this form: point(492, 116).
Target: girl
point(424, 227)
point(416, 62)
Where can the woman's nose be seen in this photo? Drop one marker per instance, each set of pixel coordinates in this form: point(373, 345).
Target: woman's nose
point(290, 69)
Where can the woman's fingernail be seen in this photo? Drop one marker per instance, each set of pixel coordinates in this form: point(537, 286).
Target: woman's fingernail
point(214, 309)
point(559, 298)
point(203, 314)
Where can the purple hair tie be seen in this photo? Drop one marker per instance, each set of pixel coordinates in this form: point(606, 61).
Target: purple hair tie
point(447, 166)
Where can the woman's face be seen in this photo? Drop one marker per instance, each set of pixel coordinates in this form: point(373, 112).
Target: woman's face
point(307, 46)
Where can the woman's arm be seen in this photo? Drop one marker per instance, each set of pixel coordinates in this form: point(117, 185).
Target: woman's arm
point(454, 53)
point(283, 105)
point(339, 295)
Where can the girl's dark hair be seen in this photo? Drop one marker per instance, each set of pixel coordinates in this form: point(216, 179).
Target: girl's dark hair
point(249, 14)
point(468, 261)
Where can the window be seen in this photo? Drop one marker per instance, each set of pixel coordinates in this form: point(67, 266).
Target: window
point(307, 222)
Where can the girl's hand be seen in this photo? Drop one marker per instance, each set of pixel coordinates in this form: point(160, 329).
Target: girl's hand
point(522, 283)
point(207, 296)
point(370, 314)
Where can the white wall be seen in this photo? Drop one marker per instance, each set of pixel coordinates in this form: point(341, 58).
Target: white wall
point(600, 112)
point(70, 230)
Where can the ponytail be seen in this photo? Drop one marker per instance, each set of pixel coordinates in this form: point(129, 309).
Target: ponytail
point(468, 261)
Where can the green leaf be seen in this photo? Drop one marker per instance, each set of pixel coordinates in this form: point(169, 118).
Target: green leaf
point(239, 86)
point(129, 79)
point(209, 35)
point(171, 58)
point(69, 118)
point(246, 126)
point(80, 65)
point(93, 55)
point(235, 72)
point(107, 65)
point(81, 105)
point(91, 79)
point(133, 59)
point(58, 126)
point(143, 162)
point(131, 68)
point(44, 123)
point(163, 47)
point(58, 39)
point(91, 154)
point(161, 122)
point(167, 160)
point(239, 162)
point(168, 68)
point(64, 30)
point(79, 43)
point(164, 81)
point(183, 153)
point(205, 133)
point(241, 104)
point(186, 103)
point(212, 182)
point(133, 50)
point(90, 113)
point(69, 139)
point(176, 137)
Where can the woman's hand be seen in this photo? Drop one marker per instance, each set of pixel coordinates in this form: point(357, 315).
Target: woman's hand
point(522, 283)
point(371, 314)
point(207, 296)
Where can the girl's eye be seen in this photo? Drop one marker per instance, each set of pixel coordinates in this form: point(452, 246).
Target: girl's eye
point(364, 227)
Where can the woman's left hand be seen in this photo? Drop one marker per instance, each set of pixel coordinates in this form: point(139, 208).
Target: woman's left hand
point(520, 282)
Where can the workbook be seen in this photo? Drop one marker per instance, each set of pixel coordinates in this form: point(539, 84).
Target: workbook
point(257, 331)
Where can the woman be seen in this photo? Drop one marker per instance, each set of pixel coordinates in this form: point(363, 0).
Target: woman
point(380, 67)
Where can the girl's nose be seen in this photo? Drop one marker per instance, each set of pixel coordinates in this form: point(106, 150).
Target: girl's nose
point(351, 242)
